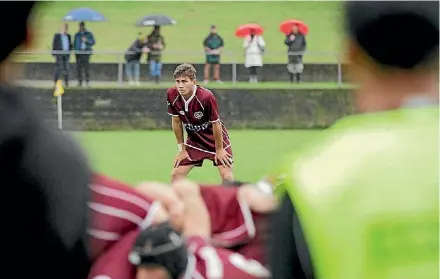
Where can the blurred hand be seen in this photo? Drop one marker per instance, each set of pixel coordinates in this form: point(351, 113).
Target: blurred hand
point(145, 50)
point(84, 39)
point(292, 37)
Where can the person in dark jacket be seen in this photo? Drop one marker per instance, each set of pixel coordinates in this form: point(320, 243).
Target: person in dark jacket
point(213, 45)
point(296, 42)
point(132, 58)
point(44, 174)
point(155, 44)
point(83, 42)
point(62, 42)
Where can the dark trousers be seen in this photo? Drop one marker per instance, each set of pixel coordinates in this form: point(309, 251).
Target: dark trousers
point(62, 67)
point(82, 65)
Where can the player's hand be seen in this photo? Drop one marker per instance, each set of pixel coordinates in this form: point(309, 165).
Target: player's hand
point(182, 155)
point(223, 157)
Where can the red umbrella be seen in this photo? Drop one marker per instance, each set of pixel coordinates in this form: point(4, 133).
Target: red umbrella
point(286, 26)
point(247, 29)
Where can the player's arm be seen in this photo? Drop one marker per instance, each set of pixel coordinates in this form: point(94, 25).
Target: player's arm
point(218, 135)
point(176, 122)
point(197, 221)
point(162, 193)
point(258, 200)
point(214, 118)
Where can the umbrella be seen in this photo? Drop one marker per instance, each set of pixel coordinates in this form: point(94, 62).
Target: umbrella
point(247, 29)
point(83, 14)
point(155, 20)
point(286, 26)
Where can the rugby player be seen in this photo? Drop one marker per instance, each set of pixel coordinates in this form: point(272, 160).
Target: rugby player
point(161, 252)
point(227, 229)
point(196, 109)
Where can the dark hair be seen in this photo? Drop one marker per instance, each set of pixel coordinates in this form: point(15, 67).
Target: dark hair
point(185, 70)
point(15, 14)
point(386, 31)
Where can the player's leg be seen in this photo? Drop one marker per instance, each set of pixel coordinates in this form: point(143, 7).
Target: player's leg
point(225, 172)
point(195, 159)
point(180, 172)
point(258, 198)
point(197, 220)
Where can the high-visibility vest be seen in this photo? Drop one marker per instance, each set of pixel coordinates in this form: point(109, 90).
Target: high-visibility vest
point(368, 196)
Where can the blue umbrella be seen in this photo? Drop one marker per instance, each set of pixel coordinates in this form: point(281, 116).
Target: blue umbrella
point(83, 14)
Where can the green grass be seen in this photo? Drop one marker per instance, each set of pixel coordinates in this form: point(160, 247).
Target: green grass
point(193, 21)
point(225, 85)
point(149, 155)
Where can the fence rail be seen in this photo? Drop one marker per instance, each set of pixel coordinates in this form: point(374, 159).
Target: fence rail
point(236, 58)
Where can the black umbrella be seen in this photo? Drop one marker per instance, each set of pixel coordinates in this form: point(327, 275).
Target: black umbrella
point(155, 20)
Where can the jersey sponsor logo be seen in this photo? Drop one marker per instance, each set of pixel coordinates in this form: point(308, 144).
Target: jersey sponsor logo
point(198, 114)
point(168, 103)
point(182, 112)
point(197, 128)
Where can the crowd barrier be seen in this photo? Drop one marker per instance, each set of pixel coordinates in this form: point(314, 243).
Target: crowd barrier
point(114, 69)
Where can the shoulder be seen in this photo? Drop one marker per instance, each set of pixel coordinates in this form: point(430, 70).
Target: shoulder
point(172, 92)
point(204, 93)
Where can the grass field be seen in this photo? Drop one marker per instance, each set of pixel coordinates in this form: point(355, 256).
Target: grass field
point(193, 21)
point(137, 156)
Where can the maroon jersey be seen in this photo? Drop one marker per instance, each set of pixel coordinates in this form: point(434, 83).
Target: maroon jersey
point(204, 261)
point(232, 222)
point(116, 208)
point(255, 249)
point(114, 263)
point(207, 261)
point(197, 115)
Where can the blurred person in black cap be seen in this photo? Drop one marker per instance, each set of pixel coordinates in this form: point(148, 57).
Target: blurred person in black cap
point(43, 173)
point(83, 42)
point(213, 45)
point(62, 42)
point(363, 202)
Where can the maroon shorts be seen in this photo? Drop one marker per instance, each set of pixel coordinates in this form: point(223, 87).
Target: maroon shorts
point(198, 155)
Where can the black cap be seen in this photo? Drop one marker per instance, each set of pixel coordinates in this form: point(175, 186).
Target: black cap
point(213, 26)
point(401, 34)
point(14, 20)
point(160, 245)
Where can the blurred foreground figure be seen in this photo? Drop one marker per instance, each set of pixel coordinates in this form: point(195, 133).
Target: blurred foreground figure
point(43, 174)
point(363, 203)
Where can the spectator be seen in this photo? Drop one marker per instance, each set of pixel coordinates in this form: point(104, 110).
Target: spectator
point(132, 58)
point(84, 41)
point(254, 49)
point(296, 43)
point(62, 42)
point(213, 45)
point(155, 44)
